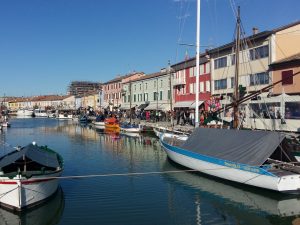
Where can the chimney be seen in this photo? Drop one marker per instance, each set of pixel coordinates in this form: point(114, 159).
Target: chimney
point(255, 30)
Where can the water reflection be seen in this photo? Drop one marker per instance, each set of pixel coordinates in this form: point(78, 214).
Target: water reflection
point(49, 213)
point(232, 203)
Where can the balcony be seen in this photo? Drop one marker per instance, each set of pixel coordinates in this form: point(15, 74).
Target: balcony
point(178, 82)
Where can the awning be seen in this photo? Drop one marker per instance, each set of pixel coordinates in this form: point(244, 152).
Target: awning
point(183, 104)
point(154, 106)
point(124, 107)
point(142, 106)
point(193, 106)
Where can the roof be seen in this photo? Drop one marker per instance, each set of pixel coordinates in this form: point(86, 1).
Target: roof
point(149, 76)
point(288, 60)
point(120, 78)
point(239, 146)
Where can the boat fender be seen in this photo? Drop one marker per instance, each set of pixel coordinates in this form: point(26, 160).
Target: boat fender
point(33, 143)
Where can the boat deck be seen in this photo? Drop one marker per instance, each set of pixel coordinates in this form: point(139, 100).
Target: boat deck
point(174, 141)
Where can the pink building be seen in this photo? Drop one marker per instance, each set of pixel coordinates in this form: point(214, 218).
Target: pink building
point(112, 90)
point(184, 83)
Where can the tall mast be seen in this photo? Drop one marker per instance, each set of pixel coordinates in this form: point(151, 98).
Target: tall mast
point(197, 64)
point(236, 77)
point(130, 114)
point(171, 93)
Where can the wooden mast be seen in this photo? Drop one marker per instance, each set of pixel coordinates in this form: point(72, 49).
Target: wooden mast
point(236, 77)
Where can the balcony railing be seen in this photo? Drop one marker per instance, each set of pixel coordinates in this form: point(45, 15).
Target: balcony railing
point(177, 82)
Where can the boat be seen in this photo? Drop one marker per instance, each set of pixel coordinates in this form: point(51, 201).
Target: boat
point(112, 124)
point(49, 213)
point(28, 176)
point(40, 113)
point(160, 130)
point(251, 157)
point(131, 128)
point(99, 121)
point(65, 116)
point(83, 119)
point(4, 122)
point(25, 113)
point(256, 158)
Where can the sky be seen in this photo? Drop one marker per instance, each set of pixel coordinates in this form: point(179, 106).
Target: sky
point(46, 44)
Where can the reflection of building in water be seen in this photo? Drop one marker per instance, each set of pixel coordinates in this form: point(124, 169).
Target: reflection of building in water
point(48, 213)
point(228, 203)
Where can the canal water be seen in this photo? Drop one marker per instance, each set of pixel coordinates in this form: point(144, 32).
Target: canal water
point(167, 198)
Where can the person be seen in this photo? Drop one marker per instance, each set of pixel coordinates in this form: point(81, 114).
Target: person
point(178, 116)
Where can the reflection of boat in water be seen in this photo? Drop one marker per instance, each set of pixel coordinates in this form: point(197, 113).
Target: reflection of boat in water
point(134, 135)
point(112, 125)
point(48, 213)
point(231, 197)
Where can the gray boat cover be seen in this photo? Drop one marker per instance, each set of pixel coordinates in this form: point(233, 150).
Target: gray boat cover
point(33, 152)
point(241, 146)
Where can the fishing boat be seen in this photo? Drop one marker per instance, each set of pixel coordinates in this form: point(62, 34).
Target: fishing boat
point(25, 113)
point(83, 119)
point(256, 158)
point(160, 130)
point(28, 176)
point(99, 121)
point(112, 124)
point(131, 128)
point(40, 113)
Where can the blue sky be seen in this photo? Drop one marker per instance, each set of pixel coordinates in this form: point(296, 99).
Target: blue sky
point(45, 44)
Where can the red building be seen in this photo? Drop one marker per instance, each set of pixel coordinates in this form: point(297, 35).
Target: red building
point(184, 83)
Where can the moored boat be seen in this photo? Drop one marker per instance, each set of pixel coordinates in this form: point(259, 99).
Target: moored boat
point(112, 124)
point(28, 176)
point(25, 112)
point(256, 158)
point(131, 128)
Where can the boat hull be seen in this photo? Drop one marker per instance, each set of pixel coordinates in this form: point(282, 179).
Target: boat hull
point(253, 176)
point(21, 193)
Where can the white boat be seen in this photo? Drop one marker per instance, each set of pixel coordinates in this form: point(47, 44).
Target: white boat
point(28, 176)
point(65, 116)
point(99, 124)
point(24, 112)
point(49, 213)
point(160, 130)
point(5, 124)
point(40, 113)
point(256, 158)
point(131, 128)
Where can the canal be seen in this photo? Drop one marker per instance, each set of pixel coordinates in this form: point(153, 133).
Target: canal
point(166, 198)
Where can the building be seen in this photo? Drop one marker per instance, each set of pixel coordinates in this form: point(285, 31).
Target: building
point(184, 83)
point(80, 88)
point(257, 52)
point(284, 70)
point(112, 90)
point(151, 92)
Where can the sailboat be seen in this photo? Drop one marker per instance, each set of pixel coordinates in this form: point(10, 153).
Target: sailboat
point(257, 158)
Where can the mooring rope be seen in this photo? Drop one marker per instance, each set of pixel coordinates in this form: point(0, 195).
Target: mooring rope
point(114, 174)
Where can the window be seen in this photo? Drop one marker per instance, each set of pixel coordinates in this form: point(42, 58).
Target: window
point(260, 52)
point(135, 87)
point(124, 98)
point(292, 110)
point(145, 97)
point(146, 86)
point(141, 97)
point(161, 95)
point(140, 86)
point(201, 87)
point(169, 94)
point(161, 83)
point(207, 86)
point(232, 59)
point(232, 83)
point(287, 77)
point(220, 84)
point(154, 96)
point(192, 72)
point(221, 62)
point(192, 88)
point(134, 98)
point(129, 98)
point(259, 78)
